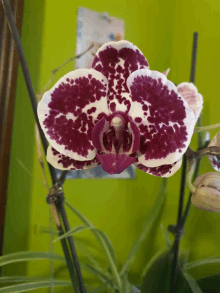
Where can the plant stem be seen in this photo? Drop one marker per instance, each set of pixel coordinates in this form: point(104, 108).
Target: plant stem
point(175, 247)
point(208, 127)
point(72, 248)
point(17, 41)
point(189, 176)
point(62, 177)
point(183, 220)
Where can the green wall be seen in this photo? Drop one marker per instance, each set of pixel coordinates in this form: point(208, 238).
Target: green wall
point(163, 30)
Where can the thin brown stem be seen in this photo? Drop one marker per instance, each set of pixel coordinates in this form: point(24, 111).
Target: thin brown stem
point(40, 157)
point(210, 151)
point(54, 71)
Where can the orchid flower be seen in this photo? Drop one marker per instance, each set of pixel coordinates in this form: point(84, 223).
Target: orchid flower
point(116, 114)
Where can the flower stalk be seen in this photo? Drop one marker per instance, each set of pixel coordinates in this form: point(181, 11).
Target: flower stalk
point(189, 176)
point(175, 247)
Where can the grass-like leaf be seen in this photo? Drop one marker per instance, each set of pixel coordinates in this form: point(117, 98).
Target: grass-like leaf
point(158, 276)
point(100, 288)
point(33, 286)
point(192, 283)
point(197, 263)
point(103, 240)
point(20, 279)
point(86, 251)
point(28, 255)
point(126, 286)
point(102, 276)
point(72, 231)
point(152, 260)
point(151, 218)
point(30, 173)
point(209, 284)
point(166, 236)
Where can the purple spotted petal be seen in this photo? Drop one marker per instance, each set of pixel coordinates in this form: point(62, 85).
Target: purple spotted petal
point(215, 160)
point(116, 61)
point(164, 119)
point(161, 171)
point(68, 112)
point(190, 93)
point(62, 162)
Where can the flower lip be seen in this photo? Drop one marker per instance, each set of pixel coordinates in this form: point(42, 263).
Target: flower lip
point(115, 163)
point(117, 139)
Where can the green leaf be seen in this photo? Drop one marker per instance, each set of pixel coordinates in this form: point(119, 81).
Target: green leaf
point(157, 256)
point(28, 255)
point(197, 263)
point(102, 234)
point(72, 231)
point(158, 275)
point(33, 286)
point(103, 240)
point(20, 279)
point(79, 215)
point(192, 283)
point(157, 278)
point(30, 173)
point(80, 245)
point(86, 251)
point(126, 286)
point(100, 288)
point(149, 221)
point(210, 284)
point(102, 276)
point(166, 236)
point(207, 285)
point(97, 233)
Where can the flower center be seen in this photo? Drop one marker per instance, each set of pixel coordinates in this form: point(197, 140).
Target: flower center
point(116, 140)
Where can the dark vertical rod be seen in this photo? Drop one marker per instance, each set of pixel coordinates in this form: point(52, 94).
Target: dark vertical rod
point(72, 249)
point(194, 55)
point(175, 248)
point(15, 35)
point(73, 276)
point(62, 177)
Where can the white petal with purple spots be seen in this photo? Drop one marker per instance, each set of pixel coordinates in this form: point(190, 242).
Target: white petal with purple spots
point(161, 171)
point(116, 61)
point(69, 111)
point(62, 162)
point(163, 117)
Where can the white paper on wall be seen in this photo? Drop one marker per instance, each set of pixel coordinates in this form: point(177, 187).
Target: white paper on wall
point(95, 27)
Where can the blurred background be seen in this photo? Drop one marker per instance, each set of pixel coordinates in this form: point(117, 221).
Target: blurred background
point(163, 30)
